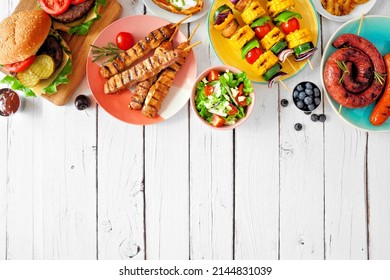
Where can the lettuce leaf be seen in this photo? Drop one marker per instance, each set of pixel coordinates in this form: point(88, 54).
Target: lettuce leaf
point(83, 28)
point(61, 78)
point(16, 85)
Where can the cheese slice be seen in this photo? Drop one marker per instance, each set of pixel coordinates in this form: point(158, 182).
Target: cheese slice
point(38, 89)
point(61, 26)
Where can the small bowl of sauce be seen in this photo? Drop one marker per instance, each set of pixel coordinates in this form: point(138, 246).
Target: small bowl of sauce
point(9, 102)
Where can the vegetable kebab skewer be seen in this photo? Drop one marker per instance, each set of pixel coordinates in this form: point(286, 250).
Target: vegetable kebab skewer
point(299, 39)
point(243, 39)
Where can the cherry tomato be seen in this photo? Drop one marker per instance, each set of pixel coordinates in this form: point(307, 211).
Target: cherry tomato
point(240, 89)
point(20, 66)
point(124, 40)
point(213, 75)
point(218, 121)
point(232, 111)
point(55, 7)
point(75, 2)
point(253, 55)
point(242, 102)
point(261, 31)
point(208, 90)
point(290, 26)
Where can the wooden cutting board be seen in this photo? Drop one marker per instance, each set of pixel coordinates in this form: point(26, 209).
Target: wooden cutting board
point(80, 46)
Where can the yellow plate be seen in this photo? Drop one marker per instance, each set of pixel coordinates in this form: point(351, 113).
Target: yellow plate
point(231, 57)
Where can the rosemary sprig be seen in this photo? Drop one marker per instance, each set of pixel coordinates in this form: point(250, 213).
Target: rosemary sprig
point(380, 78)
point(344, 68)
point(110, 51)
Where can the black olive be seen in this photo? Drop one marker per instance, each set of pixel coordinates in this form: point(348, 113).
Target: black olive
point(82, 102)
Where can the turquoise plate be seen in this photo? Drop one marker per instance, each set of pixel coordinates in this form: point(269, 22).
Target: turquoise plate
point(376, 30)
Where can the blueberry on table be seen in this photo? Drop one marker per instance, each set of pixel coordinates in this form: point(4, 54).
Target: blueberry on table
point(322, 118)
point(82, 102)
point(298, 127)
point(314, 117)
point(284, 102)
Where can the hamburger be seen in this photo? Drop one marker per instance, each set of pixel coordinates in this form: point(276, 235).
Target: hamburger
point(73, 16)
point(35, 57)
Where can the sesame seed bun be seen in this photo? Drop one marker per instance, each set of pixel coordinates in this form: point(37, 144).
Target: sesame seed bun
point(22, 34)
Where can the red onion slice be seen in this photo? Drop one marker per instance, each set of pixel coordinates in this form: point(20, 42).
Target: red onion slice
point(275, 78)
point(306, 55)
point(284, 54)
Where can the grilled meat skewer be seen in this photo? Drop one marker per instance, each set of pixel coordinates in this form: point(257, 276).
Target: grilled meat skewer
point(142, 71)
point(161, 87)
point(139, 50)
point(142, 88)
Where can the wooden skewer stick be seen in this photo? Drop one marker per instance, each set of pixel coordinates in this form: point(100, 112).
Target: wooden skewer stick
point(292, 65)
point(340, 108)
point(285, 86)
point(360, 24)
point(193, 32)
point(174, 33)
point(311, 66)
point(191, 46)
point(181, 21)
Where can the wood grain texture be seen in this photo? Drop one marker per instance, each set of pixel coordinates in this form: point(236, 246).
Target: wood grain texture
point(301, 177)
point(211, 177)
point(378, 196)
point(80, 46)
point(257, 180)
point(345, 188)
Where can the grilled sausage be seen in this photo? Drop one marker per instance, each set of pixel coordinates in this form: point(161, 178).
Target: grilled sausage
point(333, 73)
point(141, 71)
point(139, 50)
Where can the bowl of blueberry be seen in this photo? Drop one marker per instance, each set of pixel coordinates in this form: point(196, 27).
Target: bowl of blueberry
point(307, 96)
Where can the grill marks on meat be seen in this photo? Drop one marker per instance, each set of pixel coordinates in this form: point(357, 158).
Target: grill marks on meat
point(160, 89)
point(141, 71)
point(142, 88)
point(52, 48)
point(75, 12)
point(139, 50)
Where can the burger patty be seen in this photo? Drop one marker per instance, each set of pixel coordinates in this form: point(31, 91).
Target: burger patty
point(75, 12)
point(52, 48)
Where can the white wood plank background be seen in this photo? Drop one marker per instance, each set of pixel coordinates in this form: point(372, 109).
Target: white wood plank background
point(82, 185)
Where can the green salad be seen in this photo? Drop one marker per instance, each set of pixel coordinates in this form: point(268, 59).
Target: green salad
point(222, 97)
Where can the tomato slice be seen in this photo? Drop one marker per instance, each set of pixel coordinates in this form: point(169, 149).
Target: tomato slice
point(208, 90)
point(218, 121)
point(55, 7)
point(240, 89)
point(261, 31)
point(253, 55)
point(21, 65)
point(232, 111)
point(124, 40)
point(75, 2)
point(241, 102)
point(290, 26)
point(213, 75)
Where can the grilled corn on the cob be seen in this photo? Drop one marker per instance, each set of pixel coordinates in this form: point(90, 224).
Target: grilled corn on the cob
point(241, 37)
point(264, 62)
point(272, 37)
point(253, 11)
point(275, 7)
point(299, 37)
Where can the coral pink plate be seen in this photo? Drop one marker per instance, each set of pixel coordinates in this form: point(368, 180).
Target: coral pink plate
point(117, 104)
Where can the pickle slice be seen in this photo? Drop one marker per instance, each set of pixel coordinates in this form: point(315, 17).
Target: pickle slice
point(28, 78)
point(43, 66)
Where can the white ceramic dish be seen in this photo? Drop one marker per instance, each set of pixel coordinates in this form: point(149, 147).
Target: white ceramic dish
point(172, 17)
point(357, 12)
